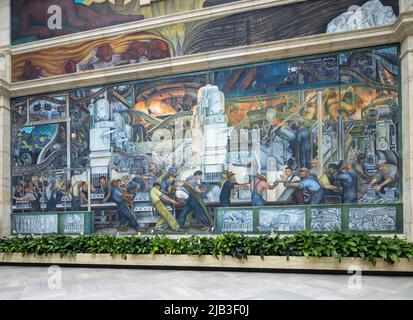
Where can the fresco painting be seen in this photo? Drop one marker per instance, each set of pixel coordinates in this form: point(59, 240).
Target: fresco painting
point(238, 221)
point(93, 55)
point(248, 28)
point(326, 219)
point(372, 219)
point(30, 17)
point(282, 220)
point(160, 155)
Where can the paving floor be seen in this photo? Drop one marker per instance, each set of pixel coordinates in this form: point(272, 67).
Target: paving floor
point(27, 283)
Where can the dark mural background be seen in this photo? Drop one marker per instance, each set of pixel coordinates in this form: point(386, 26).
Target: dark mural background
point(277, 23)
point(253, 27)
point(320, 130)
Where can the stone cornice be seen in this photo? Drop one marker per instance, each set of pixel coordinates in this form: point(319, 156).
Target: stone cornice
point(152, 23)
point(4, 94)
point(5, 88)
point(303, 46)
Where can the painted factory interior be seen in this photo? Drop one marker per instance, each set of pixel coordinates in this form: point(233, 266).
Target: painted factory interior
point(304, 143)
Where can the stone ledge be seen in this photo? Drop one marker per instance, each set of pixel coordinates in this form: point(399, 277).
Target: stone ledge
point(253, 262)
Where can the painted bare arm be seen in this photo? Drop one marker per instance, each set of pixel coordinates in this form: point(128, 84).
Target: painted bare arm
point(373, 181)
point(167, 199)
point(383, 184)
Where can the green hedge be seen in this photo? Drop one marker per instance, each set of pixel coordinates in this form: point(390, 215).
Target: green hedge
point(307, 244)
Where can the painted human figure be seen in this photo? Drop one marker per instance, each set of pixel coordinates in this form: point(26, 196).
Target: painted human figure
point(158, 198)
point(79, 194)
point(136, 52)
point(313, 193)
point(102, 57)
point(75, 16)
point(32, 196)
point(291, 194)
point(105, 188)
point(30, 71)
point(167, 182)
point(192, 203)
point(328, 180)
point(227, 186)
point(387, 176)
point(125, 213)
point(304, 145)
point(257, 187)
point(348, 180)
point(195, 181)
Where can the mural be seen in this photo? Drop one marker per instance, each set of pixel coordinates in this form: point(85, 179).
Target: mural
point(282, 220)
point(92, 55)
point(181, 39)
point(372, 219)
point(372, 13)
point(30, 18)
point(160, 155)
point(325, 219)
point(238, 221)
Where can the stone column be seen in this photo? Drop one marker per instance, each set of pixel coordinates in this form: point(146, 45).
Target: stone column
point(407, 135)
point(5, 72)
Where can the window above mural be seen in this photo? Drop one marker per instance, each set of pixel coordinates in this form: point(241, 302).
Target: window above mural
point(163, 154)
point(254, 27)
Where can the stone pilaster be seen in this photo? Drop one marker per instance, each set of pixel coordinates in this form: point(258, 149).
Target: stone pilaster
point(407, 125)
point(406, 5)
point(5, 154)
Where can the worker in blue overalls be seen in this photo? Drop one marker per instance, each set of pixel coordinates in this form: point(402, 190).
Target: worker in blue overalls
point(257, 187)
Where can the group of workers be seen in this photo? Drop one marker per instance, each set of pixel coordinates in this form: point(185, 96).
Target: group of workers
point(338, 182)
point(299, 188)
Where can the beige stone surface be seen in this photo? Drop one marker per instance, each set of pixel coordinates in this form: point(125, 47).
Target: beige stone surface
point(5, 69)
point(5, 22)
point(407, 129)
point(5, 201)
point(406, 5)
point(78, 283)
point(294, 263)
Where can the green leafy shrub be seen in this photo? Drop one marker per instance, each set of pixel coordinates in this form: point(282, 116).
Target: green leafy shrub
point(307, 244)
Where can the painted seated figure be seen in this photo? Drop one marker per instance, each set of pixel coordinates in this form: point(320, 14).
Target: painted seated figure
point(76, 17)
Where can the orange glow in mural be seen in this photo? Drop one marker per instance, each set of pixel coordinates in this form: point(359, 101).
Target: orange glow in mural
point(92, 55)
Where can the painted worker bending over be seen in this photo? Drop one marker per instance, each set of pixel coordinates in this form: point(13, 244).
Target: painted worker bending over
point(192, 203)
point(328, 180)
point(386, 177)
point(291, 194)
point(157, 198)
point(313, 193)
point(124, 211)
